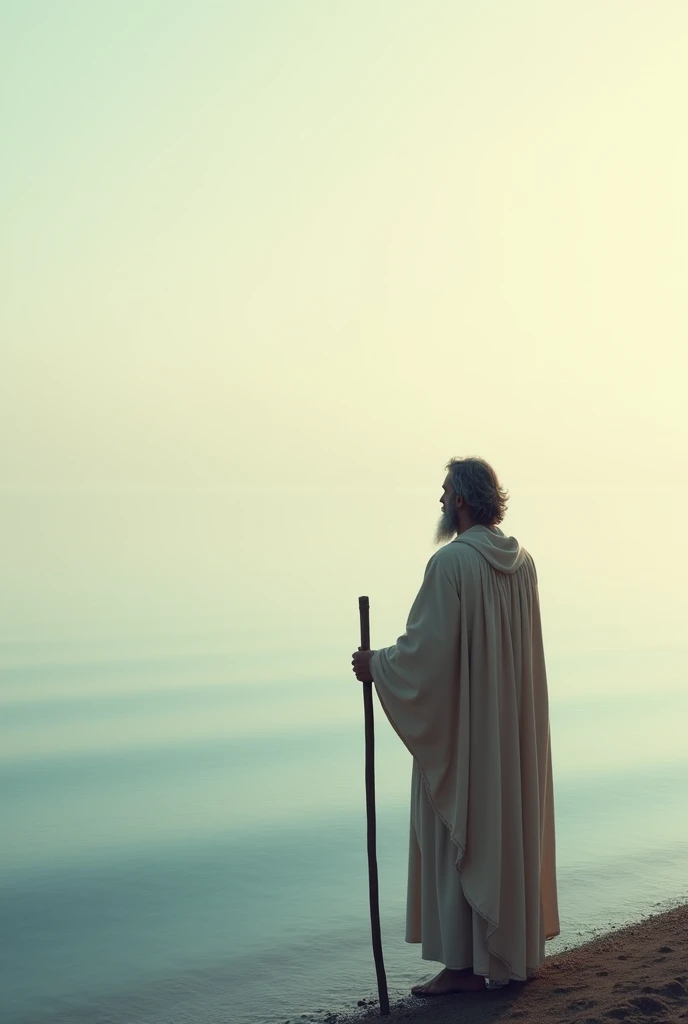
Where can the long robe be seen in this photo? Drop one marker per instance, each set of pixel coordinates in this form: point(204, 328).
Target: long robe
point(465, 688)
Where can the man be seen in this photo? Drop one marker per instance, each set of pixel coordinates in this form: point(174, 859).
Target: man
point(466, 690)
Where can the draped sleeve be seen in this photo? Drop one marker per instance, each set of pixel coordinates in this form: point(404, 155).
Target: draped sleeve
point(416, 679)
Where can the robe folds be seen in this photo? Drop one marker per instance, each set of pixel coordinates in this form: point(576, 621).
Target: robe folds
point(465, 688)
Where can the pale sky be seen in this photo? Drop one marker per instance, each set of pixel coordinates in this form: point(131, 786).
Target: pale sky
point(267, 266)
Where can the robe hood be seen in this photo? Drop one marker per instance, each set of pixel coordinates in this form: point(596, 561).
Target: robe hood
point(502, 552)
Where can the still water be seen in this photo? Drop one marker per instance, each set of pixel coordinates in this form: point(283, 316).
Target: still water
point(184, 838)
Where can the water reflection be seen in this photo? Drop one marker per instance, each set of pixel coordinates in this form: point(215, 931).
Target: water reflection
point(157, 837)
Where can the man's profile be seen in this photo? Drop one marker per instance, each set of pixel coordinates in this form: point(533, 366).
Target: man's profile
point(465, 687)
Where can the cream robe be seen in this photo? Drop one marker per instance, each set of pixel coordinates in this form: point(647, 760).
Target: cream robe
point(465, 687)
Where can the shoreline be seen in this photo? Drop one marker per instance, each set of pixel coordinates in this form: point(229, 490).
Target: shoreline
point(637, 974)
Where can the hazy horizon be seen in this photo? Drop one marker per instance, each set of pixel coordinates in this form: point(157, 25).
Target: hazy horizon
point(267, 268)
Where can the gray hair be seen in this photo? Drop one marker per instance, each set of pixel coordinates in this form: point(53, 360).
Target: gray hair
point(476, 482)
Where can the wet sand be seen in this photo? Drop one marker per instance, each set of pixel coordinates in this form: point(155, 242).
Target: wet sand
point(638, 975)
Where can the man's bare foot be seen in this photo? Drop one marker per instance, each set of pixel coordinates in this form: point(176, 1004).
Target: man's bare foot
point(448, 981)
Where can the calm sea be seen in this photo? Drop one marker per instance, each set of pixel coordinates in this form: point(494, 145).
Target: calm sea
point(183, 839)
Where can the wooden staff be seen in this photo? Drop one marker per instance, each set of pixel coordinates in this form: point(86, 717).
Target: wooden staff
point(364, 612)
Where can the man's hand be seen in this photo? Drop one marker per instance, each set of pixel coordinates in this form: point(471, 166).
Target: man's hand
point(361, 663)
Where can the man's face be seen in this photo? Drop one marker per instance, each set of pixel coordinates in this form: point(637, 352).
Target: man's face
point(448, 523)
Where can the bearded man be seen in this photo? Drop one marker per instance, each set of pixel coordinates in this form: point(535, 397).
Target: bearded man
point(465, 688)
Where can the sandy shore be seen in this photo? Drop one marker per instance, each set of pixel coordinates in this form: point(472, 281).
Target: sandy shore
point(638, 975)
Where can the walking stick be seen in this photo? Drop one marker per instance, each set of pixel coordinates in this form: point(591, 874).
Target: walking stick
point(364, 612)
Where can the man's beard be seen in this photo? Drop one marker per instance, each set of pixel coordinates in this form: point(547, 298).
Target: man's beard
point(447, 525)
